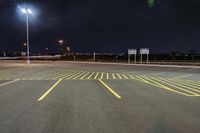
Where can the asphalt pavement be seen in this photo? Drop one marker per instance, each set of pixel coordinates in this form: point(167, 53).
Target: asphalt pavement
point(76, 97)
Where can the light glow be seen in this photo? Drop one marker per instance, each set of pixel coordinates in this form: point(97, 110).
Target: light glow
point(29, 11)
point(23, 11)
point(60, 41)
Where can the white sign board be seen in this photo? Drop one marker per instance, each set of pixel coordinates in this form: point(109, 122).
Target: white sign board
point(144, 51)
point(23, 53)
point(132, 51)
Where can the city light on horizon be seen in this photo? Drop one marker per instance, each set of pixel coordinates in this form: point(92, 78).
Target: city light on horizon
point(61, 41)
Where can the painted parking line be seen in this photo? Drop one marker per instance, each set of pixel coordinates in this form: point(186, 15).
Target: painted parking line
point(196, 83)
point(85, 75)
point(125, 76)
point(50, 76)
point(10, 82)
point(107, 76)
point(175, 86)
point(63, 75)
point(101, 76)
point(73, 75)
point(113, 75)
point(182, 85)
point(110, 89)
point(69, 74)
point(186, 84)
point(183, 76)
point(160, 85)
point(49, 90)
point(131, 76)
point(90, 75)
point(54, 75)
point(81, 74)
point(119, 76)
point(96, 75)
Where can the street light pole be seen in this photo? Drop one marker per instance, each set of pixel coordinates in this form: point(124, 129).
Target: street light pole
point(27, 11)
point(27, 33)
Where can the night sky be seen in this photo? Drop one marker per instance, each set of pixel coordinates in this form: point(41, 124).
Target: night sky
point(102, 25)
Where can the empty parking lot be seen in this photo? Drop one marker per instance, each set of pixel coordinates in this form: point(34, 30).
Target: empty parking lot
point(60, 97)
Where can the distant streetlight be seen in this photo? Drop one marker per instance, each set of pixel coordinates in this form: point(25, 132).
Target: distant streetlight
point(61, 42)
point(68, 49)
point(24, 44)
point(64, 47)
point(47, 51)
point(27, 11)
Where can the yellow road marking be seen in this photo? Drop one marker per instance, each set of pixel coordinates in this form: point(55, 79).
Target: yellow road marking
point(107, 76)
point(146, 81)
point(96, 75)
point(85, 75)
point(48, 91)
point(50, 76)
point(79, 75)
point(186, 84)
point(159, 85)
point(119, 76)
point(192, 82)
point(110, 89)
point(125, 76)
point(101, 75)
point(183, 76)
point(131, 77)
point(173, 82)
point(9, 82)
point(74, 75)
point(189, 81)
point(90, 75)
point(71, 73)
point(113, 76)
point(63, 75)
point(60, 75)
point(54, 76)
point(174, 86)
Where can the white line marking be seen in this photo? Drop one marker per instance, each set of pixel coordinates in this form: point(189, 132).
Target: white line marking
point(9, 82)
point(182, 76)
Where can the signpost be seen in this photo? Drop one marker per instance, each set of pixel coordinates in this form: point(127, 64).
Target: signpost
point(94, 56)
point(132, 52)
point(144, 51)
